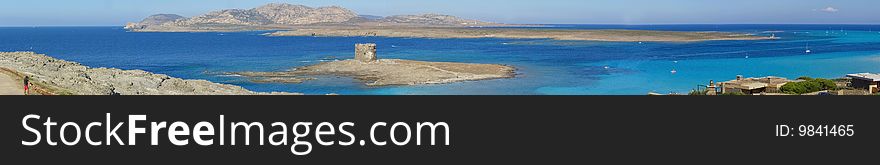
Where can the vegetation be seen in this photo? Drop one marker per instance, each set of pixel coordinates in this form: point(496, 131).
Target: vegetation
point(737, 93)
point(697, 93)
point(809, 85)
point(805, 78)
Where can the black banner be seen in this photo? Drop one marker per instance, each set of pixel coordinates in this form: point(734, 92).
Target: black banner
point(481, 129)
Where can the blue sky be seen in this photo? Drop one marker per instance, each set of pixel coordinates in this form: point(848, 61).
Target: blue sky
point(117, 12)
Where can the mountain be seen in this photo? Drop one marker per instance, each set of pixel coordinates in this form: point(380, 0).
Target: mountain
point(303, 15)
point(280, 14)
point(157, 19)
point(284, 16)
point(161, 18)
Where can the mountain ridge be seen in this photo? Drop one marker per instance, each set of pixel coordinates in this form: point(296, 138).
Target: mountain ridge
point(285, 16)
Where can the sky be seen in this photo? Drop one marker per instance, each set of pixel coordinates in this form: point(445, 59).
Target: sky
point(118, 12)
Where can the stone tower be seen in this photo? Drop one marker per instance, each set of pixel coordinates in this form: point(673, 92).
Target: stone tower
point(365, 52)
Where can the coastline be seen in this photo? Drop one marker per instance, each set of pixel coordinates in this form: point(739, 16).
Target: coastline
point(611, 35)
point(441, 32)
point(52, 76)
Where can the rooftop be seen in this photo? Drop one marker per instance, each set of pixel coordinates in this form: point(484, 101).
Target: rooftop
point(755, 83)
point(865, 76)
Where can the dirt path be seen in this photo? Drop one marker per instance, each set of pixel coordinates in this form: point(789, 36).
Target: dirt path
point(9, 85)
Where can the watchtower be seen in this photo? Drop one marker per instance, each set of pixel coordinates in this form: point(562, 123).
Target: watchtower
point(365, 52)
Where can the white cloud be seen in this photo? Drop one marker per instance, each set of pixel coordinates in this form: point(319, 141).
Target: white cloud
point(829, 9)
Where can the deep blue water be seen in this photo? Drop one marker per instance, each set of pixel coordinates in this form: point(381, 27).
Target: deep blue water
point(545, 66)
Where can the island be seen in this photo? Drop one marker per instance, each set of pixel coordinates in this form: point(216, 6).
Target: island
point(299, 20)
point(385, 72)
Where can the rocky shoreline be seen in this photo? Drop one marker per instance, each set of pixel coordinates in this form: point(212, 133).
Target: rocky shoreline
point(388, 72)
point(60, 77)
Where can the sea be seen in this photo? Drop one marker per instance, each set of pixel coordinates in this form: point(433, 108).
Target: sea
point(544, 67)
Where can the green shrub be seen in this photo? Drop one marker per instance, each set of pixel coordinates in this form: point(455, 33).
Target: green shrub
point(808, 86)
point(805, 78)
point(697, 93)
point(737, 93)
point(826, 83)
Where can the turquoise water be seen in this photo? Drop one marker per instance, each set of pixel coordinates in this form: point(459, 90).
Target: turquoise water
point(544, 66)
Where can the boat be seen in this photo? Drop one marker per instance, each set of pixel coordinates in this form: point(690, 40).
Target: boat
point(808, 49)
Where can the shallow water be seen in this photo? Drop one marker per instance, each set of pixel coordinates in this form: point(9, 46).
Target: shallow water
point(544, 66)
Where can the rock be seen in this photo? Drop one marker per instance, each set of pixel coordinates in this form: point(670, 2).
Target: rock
point(74, 78)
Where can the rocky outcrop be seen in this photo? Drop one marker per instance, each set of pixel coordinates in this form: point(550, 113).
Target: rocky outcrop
point(387, 72)
point(374, 72)
point(74, 78)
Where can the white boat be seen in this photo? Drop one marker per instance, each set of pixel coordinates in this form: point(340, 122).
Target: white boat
point(808, 49)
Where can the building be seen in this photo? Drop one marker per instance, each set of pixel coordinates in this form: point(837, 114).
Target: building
point(870, 81)
point(752, 86)
point(711, 89)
